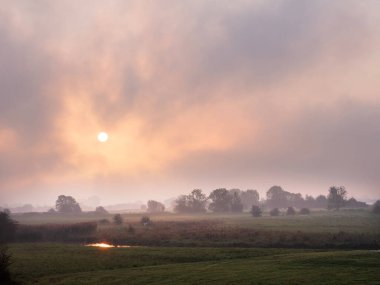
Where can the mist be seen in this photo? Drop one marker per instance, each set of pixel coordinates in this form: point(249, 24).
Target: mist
point(193, 94)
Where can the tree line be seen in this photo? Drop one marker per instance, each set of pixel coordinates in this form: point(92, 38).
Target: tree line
point(235, 200)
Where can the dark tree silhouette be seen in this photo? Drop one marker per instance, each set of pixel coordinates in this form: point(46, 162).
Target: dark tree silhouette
point(155, 207)
point(7, 232)
point(256, 211)
point(118, 219)
point(221, 200)
point(67, 204)
point(5, 262)
point(336, 198)
point(7, 228)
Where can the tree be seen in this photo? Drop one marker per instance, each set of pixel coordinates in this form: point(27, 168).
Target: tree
point(290, 211)
point(67, 204)
point(376, 207)
point(321, 201)
point(196, 201)
point(7, 228)
point(118, 219)
point(101, 210)
point(236, 204)
point(155, 207)
point(181, 204)
point(277, 197)
point(7, 231)
point(249, 198)
point(309, 201)
point(256, 211)
point(5, 263)
point(336, 197)
point(221, 200)
point(353, 203)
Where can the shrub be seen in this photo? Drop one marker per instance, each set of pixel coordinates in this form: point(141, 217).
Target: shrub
point(275, 212)
point(5, 262)
point(56, 232)
point(376, 207)
point(304, 211)
point(256, 211)
point(118, 219)
point(146, 221)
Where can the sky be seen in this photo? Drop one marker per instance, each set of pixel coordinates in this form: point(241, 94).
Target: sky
point(193, 94)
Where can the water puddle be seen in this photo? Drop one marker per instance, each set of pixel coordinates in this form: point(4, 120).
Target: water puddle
point(106, 245)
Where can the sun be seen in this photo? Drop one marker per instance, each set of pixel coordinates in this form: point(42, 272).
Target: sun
point(102, 137)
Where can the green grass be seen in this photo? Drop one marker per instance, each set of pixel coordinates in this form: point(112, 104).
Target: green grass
point(43, 263)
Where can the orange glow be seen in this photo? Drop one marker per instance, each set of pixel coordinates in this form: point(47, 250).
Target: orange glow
point(101, 245)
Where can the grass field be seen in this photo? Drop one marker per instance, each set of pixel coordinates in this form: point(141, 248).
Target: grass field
point(322, 229)
point(319, 221)
point(44, 263)
point(215, 249)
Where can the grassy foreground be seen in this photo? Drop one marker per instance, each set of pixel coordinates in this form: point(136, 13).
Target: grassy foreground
point(43, 263)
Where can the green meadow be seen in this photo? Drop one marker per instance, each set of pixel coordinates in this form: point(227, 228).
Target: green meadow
point(45, 263)
point(321, 248)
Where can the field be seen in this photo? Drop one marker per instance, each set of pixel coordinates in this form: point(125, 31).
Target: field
point(320, 221)
point(321, 248)
point(76, 264)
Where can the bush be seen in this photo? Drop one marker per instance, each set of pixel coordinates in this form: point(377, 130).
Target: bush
point(5, 262)
point(304, 211)
point(118, 219)
point(145, 221)
point(376, 207)
point(55, 232)
point(275, 212)
point(290, 211)
point(256, 211)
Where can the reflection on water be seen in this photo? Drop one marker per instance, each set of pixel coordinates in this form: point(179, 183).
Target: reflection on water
point(105, 245)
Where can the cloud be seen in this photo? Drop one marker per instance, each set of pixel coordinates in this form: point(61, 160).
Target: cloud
point(207, 92)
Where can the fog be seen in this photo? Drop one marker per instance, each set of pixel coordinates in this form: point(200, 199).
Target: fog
point(193, 94)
